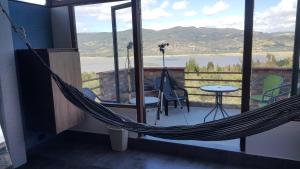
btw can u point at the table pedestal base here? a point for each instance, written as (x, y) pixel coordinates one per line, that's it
(218, 106)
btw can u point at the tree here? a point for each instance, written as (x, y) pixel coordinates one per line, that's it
(210, 66)
(271, 60)
(192, 66)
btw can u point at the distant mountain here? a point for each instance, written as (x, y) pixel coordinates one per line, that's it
(185, 40)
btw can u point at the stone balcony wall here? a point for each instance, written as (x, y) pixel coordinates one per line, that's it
(108, 85)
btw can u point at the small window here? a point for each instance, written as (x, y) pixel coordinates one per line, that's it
(39, 2)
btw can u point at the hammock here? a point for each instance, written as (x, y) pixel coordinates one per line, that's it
(242, 125)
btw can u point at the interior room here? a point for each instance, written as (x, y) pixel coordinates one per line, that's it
(149, 84)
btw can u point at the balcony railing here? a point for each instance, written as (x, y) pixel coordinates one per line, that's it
(103, 83)
(190, 80)
(93, 83)
(192, 77)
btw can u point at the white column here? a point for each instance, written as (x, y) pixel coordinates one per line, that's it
(10, 113)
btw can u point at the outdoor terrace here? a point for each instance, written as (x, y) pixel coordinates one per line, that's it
(103, 83)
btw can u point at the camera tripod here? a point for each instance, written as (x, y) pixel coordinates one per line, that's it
(163, 79)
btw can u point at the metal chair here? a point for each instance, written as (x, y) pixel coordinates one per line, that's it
(271, 89)
(285, 91)
(172, 93)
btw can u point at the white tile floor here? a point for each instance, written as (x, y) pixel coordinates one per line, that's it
(196, 115)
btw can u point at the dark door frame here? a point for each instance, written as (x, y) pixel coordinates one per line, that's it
(247, 61)
(138, 54)
(115, 44)
(138, 59)
(137, 48)
(296, 53)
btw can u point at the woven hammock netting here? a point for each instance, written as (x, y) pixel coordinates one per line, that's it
(241, 125)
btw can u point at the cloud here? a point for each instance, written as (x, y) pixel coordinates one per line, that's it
(280, 17)
(102, 12)
(155, 13)
(180, 5)
(149, 12)
(165, 4)
(216, 8)
(236, 22)
(81, 27)
(190, 13)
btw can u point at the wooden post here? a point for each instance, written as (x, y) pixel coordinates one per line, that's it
(295, 74)
(247, 60)
(116, 55)
(138, 59)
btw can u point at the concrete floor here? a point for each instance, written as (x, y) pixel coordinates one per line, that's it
(87, 154)
(196, 115)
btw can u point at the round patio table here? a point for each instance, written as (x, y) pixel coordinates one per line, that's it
(149, 102)
(218, 90)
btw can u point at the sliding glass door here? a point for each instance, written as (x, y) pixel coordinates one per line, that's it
(123, 52)
(273, 45)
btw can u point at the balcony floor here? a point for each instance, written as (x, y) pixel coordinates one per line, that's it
(196, 115)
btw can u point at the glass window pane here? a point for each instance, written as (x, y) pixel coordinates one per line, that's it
(95, 43)
(205, 48)
(273, 40)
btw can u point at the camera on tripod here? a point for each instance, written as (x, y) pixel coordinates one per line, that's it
(129, 45)
(162, 46)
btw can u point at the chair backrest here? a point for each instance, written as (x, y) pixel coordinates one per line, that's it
(89, 93)
(168, 88)
(272, 81)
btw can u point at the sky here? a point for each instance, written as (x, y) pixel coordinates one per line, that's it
(270, 15)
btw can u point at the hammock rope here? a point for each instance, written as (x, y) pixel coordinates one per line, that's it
(242, 125)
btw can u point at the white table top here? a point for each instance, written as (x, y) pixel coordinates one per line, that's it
(219, 88)
(148, 100)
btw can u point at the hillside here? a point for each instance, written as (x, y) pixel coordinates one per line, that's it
(184, 40)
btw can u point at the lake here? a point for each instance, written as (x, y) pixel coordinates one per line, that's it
(99, 64)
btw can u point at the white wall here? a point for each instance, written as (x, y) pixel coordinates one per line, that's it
(10, 113)
(281, 142)
(92, 125)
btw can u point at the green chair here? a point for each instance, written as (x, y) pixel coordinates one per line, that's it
(270, 90)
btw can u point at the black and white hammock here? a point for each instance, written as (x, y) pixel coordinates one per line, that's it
(242, 125)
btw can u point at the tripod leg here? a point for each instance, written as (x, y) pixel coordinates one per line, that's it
(161, 102)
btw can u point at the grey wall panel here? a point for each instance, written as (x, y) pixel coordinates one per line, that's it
(61, 27)
(10, 109)
(36, 20)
